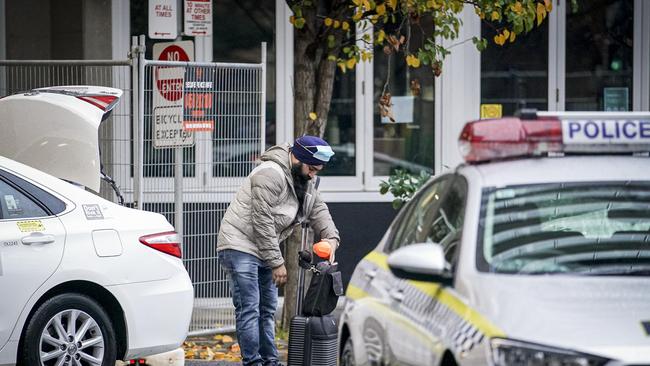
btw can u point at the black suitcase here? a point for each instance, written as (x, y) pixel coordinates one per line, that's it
(312, 339)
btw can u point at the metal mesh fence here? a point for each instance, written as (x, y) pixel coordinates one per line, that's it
(230, 98)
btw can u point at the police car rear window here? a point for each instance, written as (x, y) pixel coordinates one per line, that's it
(595, 228)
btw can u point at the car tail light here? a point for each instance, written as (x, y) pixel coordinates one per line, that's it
(103, 102)
(168, 243)
(546, 134)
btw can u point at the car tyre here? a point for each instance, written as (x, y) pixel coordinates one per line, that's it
(69, 329)
(347, 355)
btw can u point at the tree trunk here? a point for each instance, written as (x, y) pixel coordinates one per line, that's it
(314, 78)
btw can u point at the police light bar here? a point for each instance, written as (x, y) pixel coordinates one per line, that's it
(555, 133)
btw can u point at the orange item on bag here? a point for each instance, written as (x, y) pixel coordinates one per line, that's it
(323, 249)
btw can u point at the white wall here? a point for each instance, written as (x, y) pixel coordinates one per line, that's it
(458, 92)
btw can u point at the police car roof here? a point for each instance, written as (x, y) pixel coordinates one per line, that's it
(553, 133)
(586, 168)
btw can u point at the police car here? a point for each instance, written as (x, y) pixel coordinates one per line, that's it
(83, 281)
(535, 251)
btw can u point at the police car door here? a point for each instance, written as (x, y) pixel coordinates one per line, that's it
(410, 343)
(31, 245)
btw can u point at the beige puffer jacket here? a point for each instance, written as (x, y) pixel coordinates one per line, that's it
(264, 211)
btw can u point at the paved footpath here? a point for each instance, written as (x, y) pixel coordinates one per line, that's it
(223, 349)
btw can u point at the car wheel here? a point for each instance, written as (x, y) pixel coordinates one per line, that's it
(69, 329)
(347, 355)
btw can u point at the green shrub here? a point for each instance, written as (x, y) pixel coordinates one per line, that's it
(402, 185)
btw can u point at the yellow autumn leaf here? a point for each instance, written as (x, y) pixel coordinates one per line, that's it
(499, 39)
(513, 35)
(517, 7)
(341, 66)
(365, 56)
(292, 19)
(366, 4)
(357, 2)
(227, 339)
(312, 116)
(381, 9)
(337, 24)
(431, 4)
(549, 5)
(345, 25)
(392, 4)
(506, 34)
(328, 22)
(381, 36)
(412, 61)
(357, 16)
(350, 63)
(541, 13)
(495, 15)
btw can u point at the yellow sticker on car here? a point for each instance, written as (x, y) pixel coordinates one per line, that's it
(30, 226)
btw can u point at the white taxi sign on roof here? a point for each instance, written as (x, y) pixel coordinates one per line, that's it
(618, 131)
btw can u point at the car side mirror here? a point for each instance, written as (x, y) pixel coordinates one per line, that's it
(421, 262)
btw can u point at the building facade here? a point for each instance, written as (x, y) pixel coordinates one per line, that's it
(594, 59)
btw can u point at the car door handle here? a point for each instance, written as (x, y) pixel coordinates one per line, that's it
(38, 238)
(397, 295)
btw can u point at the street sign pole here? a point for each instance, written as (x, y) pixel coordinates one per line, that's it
(178, 157)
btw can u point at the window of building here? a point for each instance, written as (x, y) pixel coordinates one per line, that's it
(515, 75)
(599, 56)
(407, 140)
(340, 131)
(240, 27)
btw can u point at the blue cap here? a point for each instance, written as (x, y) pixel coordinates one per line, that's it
(312, 150)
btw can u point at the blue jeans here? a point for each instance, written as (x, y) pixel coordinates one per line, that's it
(255, 297)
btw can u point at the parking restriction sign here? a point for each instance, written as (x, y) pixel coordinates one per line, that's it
(168, 96)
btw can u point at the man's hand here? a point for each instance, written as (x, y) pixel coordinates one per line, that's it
(280, 275)
(333, 244)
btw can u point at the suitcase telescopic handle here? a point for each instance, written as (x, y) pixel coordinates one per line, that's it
(301, 273)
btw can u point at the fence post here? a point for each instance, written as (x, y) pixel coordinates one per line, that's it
(263, 102)
(138, 50)
(178, 193)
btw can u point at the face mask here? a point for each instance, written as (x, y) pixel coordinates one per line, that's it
(323, 153)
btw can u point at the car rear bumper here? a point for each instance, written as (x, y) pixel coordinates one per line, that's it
(157, 314)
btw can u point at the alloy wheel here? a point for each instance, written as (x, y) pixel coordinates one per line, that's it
(71, 337)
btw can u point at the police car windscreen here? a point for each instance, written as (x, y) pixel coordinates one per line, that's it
(595, 228)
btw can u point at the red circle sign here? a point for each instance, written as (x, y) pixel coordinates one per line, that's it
(173, 53)
(171, 88)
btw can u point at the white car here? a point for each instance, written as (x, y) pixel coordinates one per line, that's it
(84, 281)
(536, 251)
